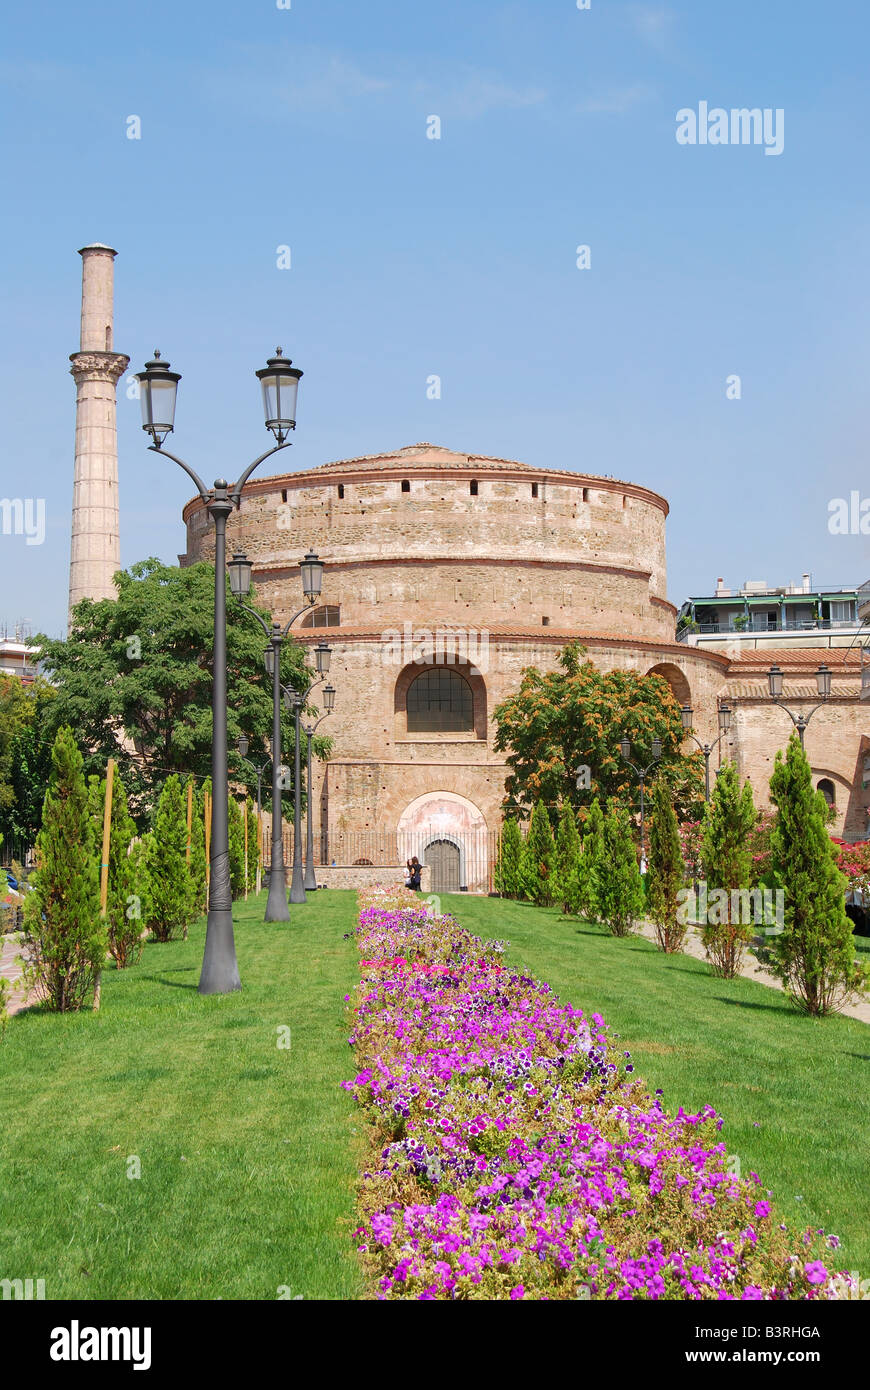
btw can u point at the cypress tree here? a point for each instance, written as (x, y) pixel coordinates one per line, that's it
(665, 870)
(123, 904)
(726, 854)
(567, 854)
(508, 866)
(620, 887)
(236, 826)
(171, 887)
(196, 866)
(586, 883)
(253, 844)
(539, 857)
(66, 937)
(814, 953)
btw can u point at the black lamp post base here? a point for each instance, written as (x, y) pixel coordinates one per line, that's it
(220, 970)
(276, 903)
(297, 886)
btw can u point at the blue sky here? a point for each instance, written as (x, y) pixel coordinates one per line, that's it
(410, 257)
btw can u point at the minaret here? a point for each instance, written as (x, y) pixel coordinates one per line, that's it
(95, 553)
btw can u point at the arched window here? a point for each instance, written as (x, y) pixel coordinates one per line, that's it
(826, 787)
(440, 702)
(327, 616)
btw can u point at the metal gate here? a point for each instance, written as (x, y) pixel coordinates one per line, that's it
(443, 857)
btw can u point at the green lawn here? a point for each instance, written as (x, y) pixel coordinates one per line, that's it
(793, 1091)
(247, 1151)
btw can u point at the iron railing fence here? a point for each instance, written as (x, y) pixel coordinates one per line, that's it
(475, 857)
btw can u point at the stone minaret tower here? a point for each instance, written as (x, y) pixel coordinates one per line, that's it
(95, 553)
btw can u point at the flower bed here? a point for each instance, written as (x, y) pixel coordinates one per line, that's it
(516, 1155)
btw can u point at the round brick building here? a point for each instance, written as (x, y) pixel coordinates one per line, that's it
(445, 574)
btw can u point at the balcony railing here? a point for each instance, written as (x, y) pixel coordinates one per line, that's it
(761, 630)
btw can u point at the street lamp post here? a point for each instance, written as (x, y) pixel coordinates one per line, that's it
(158, 389)
(295, 701)
(310, 731)
(243, 745)
(800, 721)
(311, 569)
(625, 750)
(686, 714)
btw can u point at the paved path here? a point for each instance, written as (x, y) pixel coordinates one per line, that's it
(693, 946)
(10, 967)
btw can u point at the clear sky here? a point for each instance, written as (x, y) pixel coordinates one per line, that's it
(263, 127)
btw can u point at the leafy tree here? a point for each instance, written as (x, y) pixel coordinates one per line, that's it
(65, 936)
(137, 670)
(539, 855)
(814, 954)
(727, 858)
(25, 757)
(567, 855)
(562, 720)
(508, 875)
(172, 904)
(123, 908)
(666, 870)
(13, 718)
(620, 888)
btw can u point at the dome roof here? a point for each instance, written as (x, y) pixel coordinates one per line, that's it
(433, 459)
(422, 455)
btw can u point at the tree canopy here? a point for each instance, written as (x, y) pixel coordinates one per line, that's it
(134, 678)
(562, 720)
(25, 758)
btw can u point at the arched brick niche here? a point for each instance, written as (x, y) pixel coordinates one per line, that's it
(454, 693)
(675, 678)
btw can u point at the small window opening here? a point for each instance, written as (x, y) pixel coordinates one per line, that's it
(472, 487)
(406, 486)
(534, 489)
(340, 491)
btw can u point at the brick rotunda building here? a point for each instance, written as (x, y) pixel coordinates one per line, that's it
(445, 574)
